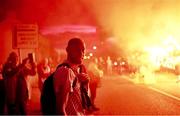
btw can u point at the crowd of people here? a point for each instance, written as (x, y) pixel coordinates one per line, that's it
(70, 84)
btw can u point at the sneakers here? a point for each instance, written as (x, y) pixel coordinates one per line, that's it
(91, 110)
(94, 108)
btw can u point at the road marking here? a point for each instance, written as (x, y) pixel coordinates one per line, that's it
(164, 93)
(157, 90)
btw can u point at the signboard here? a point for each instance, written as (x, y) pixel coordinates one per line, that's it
(25, 36)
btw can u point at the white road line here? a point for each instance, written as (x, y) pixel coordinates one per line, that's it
(159, 91)
(164, 93)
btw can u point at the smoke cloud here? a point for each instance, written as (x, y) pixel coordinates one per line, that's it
(136, 24)
(133, 24)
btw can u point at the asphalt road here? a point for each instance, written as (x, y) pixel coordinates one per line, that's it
(120, 96)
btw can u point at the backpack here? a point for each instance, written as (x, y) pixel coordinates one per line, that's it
(48, 98)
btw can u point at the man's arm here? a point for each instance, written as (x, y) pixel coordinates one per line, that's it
(30, 68)
(62, 99)
(62, 86)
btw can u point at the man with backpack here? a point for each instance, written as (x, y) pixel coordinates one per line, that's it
(67, 80)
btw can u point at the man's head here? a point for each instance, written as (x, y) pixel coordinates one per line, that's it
(75, 50)
(13, 58)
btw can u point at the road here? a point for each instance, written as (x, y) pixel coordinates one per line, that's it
(122, 97)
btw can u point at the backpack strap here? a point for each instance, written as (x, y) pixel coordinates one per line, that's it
(63, 64)
(68, 66)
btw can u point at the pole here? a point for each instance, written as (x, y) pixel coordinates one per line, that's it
(19, 53)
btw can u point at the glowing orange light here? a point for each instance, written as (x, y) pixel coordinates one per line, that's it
(94, 47)
(85, 57)
(115, 63)
(122, 63)
(90, 54)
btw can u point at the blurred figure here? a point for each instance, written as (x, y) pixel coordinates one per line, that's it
(51, 64)
(30, 78)
(9, 72)
(44, 71)
(101, 64)
(27, 67)
(95, 74)
(2, 92)
(109, 65)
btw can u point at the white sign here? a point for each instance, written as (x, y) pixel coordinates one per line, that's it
(26, 36)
